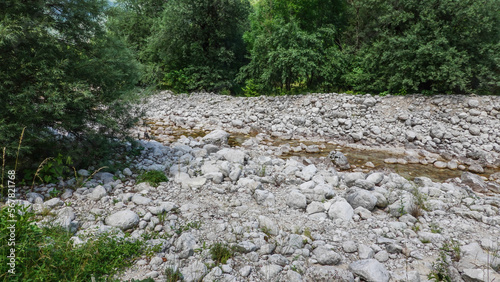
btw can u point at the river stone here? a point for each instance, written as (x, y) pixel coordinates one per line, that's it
(474, 181)
(341, 209)
(370, 270)
(361, 198)
(476, 168)
(326, 256)
(140, 200)
(268, 224)
(123, 219)
(339, 159)
(98, 193)
(194, 271)
(232, 155)
(326, 272)
(270, 271)
(216, 137)
(55, 202)
(296, 200)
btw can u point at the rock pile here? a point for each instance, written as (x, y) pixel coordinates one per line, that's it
(297, 219)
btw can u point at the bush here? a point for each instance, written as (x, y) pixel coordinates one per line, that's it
(221, 253)
(426, 46)
(47, 254)
(153, 177)
(204, 54)
(62, 77)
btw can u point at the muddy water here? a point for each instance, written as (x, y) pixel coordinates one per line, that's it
(357, 158)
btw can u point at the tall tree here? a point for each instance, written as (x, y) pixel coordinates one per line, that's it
(198, 44)
(294, 43)
(59, 70)
(430, 45)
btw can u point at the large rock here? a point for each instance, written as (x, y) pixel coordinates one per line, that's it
(341, 209)
(268, 224)
(327, 273)
(270, 271)
(474, 181)
(232, 155)
(361, 198)
(339, 159)
(216, 137)
(326, 256)
(296, 200)
(194, 271)
(370, 270)
(123, 219)
(264, 197)
(185, 245)
(98, 193)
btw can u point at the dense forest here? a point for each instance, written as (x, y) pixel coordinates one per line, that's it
(66, 65)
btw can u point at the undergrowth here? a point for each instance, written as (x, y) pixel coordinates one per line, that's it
(48, 254)
(153, 177)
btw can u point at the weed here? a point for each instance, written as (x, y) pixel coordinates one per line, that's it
(402, 210)
(173, 275)
(425, 241)
(221, 253)
(44, 254)
(195, 225)
(299, 271)
(418, 204)
(307, 233)
(55, 193)
(452, 248)
(262, 171)
(153, 177)
(440, 269)
(416, 228)
(266, 230)
(435, 228)
(162, 217)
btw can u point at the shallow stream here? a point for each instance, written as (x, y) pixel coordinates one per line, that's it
(357, 158)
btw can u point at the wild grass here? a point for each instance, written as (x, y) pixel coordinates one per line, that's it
(153, 177)
(48, 254)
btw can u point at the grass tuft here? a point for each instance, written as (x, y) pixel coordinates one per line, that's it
(153, 177)
(221, 253)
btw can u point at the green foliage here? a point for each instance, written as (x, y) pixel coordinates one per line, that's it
(173, 275)
(153, 177)
(431, 45)
(221, 253)
(48, 254)
(190, 225)
(54, 169)
(440, 269)
(197, 44)
(61, 77)
(293, 44)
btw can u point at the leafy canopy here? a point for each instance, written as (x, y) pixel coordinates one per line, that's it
(61, 71)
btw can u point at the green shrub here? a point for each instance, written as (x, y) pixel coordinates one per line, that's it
(47, 254)
(173, 275)
(153, 177)
(221, 253)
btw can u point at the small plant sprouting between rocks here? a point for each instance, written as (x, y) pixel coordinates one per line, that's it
(440, 269)
(153, 177)
(221, 253)
(173, 275)
(418, 204)
(435, 228)
(452, 248)
(190, 225)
